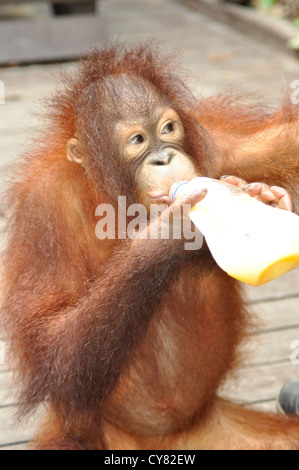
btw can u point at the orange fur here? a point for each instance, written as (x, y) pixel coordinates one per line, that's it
(126, 341)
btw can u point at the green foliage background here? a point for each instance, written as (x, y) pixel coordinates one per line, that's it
(283, 8)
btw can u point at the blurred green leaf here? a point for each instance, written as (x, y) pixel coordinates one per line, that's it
(294, 43)
(296, 23)
(268, 3)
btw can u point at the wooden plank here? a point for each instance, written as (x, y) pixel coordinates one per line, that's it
(11, 431)
(258, 384)
(32, 82)
(3, 356)
(11, 155)
(5, 2)
(49, 39)
(25, 123)
(277, 314)
(280, 287)
(269, 348)
(3, 208)
(267, 406)
(21, 446)
(14, 435)
(6, 394)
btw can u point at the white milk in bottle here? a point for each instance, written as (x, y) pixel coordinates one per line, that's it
(251, 241)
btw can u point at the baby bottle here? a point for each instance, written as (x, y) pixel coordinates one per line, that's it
(249, 240)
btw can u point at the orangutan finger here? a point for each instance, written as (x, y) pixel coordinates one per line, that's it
(262, 191)
(234, 180)
(285, 201)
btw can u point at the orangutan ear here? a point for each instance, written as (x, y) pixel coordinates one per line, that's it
(74, 153)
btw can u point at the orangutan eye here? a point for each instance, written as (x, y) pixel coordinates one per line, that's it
(168, 129)
(137, 139)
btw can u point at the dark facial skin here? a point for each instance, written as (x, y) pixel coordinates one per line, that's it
(154, 148)
(149, 136)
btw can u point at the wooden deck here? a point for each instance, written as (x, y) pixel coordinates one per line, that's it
(225, 57)
(30, 32)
